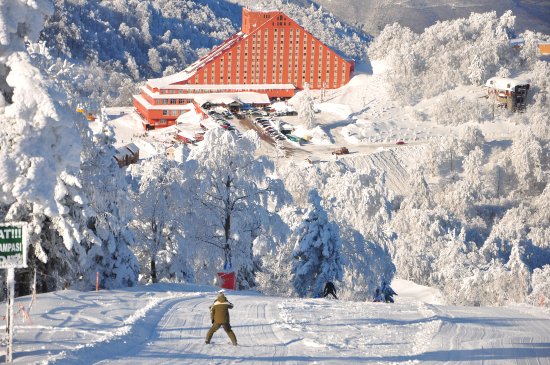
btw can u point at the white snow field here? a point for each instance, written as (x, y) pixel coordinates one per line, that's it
(167, 323)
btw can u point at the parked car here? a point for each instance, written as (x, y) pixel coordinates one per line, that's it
(294, 138)
(400, 142)
(341, 151)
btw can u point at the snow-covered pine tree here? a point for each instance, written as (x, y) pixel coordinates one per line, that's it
(476, 71)
(306, 108)
(106, 216)
(39, 145)
(540, 282)
(317, 250)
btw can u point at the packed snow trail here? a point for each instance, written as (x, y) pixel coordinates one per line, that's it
(167, 324)
(487, 335)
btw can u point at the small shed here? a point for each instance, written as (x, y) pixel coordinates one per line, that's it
(510, 93)
(517, 43)
(127, 155)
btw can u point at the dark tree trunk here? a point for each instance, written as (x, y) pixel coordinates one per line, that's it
(153, 271)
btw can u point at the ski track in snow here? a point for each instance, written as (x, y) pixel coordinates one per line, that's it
(168, 327)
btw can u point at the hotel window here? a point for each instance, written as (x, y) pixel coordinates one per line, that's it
(164, 112)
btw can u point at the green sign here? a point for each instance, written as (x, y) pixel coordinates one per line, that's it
(13, 245)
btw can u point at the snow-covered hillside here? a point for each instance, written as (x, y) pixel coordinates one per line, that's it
(373, 15)
(167, 324)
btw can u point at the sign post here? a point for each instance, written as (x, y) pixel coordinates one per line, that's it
(13, 254)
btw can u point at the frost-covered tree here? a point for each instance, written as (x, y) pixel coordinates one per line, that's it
(445, 55)
(526, 158)
(476, 71)
(306, 108)
(519, 284)
(317, 250)
(231, 189)
(472, 137)
(154, 60)
(39, 144)
(540, 282)
(158, 198)
(365, 265)
(371, 211)
(472, 167)
(98, 209)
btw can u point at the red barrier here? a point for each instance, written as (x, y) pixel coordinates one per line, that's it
(228, 280)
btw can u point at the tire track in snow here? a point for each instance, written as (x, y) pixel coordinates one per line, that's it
(487, 336)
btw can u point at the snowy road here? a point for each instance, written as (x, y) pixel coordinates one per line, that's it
(166, 324)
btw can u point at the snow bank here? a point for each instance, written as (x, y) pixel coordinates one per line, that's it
(424, 294)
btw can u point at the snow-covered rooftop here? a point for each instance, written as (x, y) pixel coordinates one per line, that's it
(209, 123)
(150, 106)
(228, 98)
(214, 87)
(127, 150)
(503, 83)
(192, 69)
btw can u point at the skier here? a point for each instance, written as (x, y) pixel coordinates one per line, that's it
(219, 313)
(329, 289)
(378, 296)
(388, 292)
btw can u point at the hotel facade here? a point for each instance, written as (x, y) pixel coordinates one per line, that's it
(271, 55)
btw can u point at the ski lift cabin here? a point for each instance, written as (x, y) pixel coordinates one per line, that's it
(510, 93)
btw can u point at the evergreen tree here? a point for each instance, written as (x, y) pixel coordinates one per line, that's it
(317, 250)
(39, 147)
(306, 109)
(107, 236)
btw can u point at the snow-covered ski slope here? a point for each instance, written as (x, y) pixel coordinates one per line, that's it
(167, 323)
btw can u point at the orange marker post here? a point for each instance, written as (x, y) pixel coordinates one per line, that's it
(96, 281)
